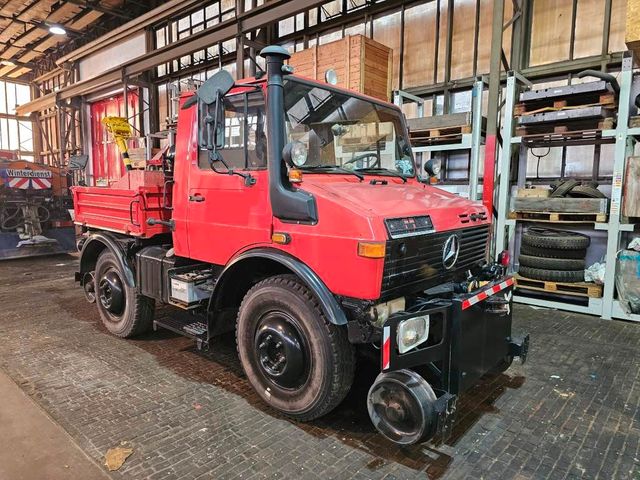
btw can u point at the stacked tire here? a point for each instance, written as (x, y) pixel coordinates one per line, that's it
(553, 255)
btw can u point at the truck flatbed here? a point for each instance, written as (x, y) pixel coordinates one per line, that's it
(125, 206)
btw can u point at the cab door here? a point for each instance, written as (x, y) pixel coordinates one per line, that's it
(225, 212)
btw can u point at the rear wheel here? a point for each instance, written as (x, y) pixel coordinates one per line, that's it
(296, 360)
(124, 312)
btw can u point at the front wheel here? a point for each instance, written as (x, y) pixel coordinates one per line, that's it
(124, 312)
(296, 360)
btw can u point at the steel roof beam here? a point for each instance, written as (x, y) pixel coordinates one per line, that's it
(99, 8)
(248, 21)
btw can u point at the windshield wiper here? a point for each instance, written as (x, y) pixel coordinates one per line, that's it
(329, 168)
(382, 171)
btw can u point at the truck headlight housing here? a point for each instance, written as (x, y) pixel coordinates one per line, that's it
(412, 332)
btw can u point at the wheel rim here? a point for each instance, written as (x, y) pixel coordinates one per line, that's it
(400, 405)
(281, 355)
(111, 292)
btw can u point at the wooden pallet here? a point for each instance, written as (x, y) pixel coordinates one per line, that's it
(586, 128)
(433, 135)
(567, 103)
(559, 217)
(580, 289)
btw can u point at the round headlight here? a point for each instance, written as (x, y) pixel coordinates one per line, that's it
(298, 154)
(330, 76)
(433, 167)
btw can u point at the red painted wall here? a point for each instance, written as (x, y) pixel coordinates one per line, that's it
(106, 161)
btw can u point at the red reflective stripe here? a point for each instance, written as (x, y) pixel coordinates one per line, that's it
(486, 293)
(42, 183)
(386, 348)
(20, 183)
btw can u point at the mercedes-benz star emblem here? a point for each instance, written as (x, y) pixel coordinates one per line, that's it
(450, 252)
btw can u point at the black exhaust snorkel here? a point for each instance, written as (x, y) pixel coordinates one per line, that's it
(288, 204)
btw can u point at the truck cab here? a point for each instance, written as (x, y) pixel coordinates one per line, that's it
(292, 212)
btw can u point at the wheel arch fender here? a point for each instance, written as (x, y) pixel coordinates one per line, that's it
(94, 245)
(287, 264)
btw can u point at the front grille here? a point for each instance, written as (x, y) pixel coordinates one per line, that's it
(415, 263)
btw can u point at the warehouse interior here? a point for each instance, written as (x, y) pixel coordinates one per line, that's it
(520, 117)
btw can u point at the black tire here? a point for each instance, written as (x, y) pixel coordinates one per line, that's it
(564, 188)
(552, 252)
(558, 239)
(568, 276)
(586, 191)
(133, 314)
(321, 372)
(552, 263)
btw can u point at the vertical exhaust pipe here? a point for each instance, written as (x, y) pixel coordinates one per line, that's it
(287, 203)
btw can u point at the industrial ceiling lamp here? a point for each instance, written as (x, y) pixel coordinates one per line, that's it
(57, 29)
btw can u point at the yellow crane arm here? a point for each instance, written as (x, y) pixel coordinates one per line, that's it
(120, 129)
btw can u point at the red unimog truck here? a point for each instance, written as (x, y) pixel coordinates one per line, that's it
(292, 213)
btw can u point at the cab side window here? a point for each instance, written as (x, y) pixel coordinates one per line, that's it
(245, 141)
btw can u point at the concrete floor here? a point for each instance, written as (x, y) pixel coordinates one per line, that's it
(32, 446)
(571, 412)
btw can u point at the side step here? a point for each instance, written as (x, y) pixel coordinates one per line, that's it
(187, 325)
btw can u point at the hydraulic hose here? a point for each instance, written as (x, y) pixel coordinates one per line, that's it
(607, 77)
(6, 223)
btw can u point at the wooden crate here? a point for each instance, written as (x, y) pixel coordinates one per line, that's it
(579, 289)
(138, 157)
(361, 64)
(632, 32)
(631, 188)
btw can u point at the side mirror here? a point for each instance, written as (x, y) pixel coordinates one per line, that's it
(217, 86)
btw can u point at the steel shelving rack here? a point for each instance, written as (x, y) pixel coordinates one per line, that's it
(624, 139)
(468, 141)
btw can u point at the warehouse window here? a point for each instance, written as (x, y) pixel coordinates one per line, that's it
(182, 27)
(16, 133)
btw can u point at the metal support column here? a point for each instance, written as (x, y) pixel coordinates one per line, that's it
(491, 148)
(623, 149)
(476, 136)
(503, 231)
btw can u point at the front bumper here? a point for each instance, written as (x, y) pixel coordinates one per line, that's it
(471, 334)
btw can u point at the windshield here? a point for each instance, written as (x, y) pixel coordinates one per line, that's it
(346, 132)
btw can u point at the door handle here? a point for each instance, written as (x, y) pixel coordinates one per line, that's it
(196, 198)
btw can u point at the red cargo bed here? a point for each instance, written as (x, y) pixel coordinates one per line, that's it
(126, 205)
